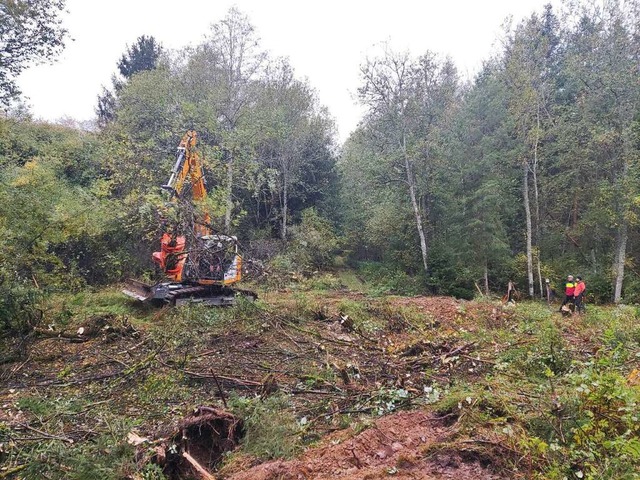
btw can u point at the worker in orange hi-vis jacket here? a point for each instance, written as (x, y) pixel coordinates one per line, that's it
(578, 295)
(569, 289)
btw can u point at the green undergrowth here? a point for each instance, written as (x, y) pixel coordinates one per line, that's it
(72, 309)
(79, 430)
(271, 427)
(100, 455)
(535, 394)
(383, 279)
(372, 279)
(562, 400)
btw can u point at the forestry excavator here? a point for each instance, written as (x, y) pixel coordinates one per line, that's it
(200, 265)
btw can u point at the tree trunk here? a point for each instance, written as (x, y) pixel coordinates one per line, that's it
(534, 172)
(416, 212)
(622, 234)
(548, 292)
(539, 273)
(411, 181)
(229, 208)
(618, 266)
(486, 278)
(285, 194)
(527, 209)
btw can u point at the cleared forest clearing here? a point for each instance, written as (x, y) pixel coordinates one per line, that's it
(225, 164)
(319, 377)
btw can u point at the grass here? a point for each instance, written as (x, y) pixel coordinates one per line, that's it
(559, 403)
(272, 430)
(541, 395)
(68, 310)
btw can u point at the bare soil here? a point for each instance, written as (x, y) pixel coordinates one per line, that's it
(395, 446)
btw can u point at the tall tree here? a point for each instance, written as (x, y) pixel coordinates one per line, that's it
(295, 133)
(529, 67)
(266, 142)
(233, 50)
(30, 31)
(602, 65)
(142, 56)
(476, 183)
(406, 101)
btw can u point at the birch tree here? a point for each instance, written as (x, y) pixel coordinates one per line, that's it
(234, 52)
(405, 99)
(528, 73)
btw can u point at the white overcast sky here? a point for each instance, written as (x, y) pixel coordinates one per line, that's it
(326, 41)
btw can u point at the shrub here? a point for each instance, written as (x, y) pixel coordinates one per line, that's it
(314, 241)
(18, 308)
(389, 279)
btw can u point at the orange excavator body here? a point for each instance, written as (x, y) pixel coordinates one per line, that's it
(171, 257)
(199, 263)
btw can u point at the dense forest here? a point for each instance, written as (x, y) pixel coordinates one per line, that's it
(451, 186)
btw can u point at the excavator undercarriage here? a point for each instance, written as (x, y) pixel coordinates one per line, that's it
(177, 294)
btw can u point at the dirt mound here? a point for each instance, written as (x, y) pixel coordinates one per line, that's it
(449, 312)
(395, 445)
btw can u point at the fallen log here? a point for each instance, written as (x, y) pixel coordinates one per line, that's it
(74, 337)
(204, 474)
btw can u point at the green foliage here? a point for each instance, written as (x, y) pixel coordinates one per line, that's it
(533, 109)
(29, 32)
(556, 410)
(385, 401)
(548, 354)
(314, 242)
(461, 152)
(448, 278)
(282, 271)
(56, 222)
(594, 425)
(605, 439)
(161, 388)
(362, 317)
(326, 281)
(387, 279)
(558, 104)
(142, 55)
(271, 428)
(151, 471)
(108, 456)
(18, 307)
(35, 405)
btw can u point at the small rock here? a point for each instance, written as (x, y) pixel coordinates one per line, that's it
(396, 446)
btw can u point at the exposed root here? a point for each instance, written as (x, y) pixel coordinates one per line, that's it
(196, 446)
